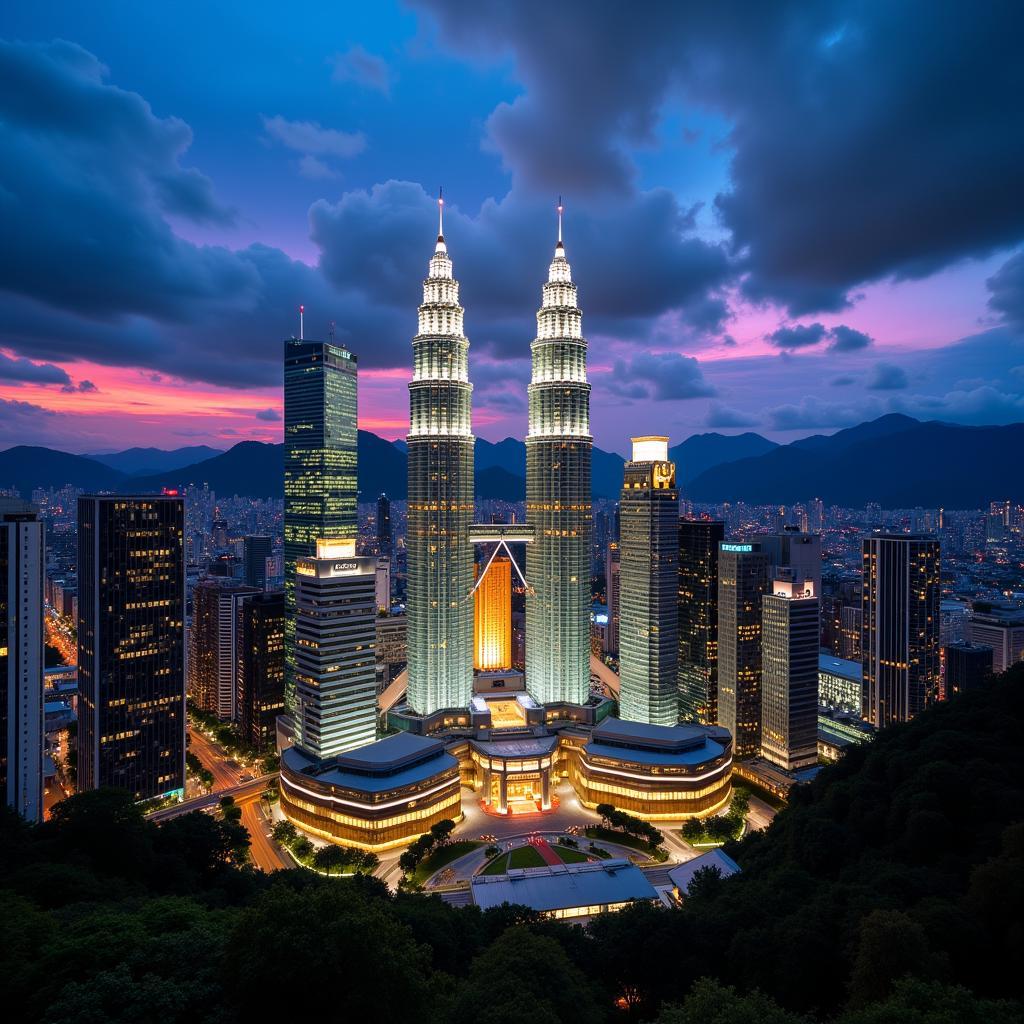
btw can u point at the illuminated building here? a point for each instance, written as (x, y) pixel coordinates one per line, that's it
(385, 537)
(649, 570)
(131, 644)
(1002, 629)
(840, 684)
(492, 617)
(335, 662)
(439, 608)
(698, 619)
(968, 667)
(320, 450)
(900, 592)
(22, 561)
(789, 674)
(211, 645)
(379, 796)
(558, 502)
(742, 580)
(613, 587)
(392, 652)
(654, 772)
(795, 553)
(259, 665)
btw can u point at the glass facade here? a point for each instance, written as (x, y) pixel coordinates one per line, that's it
(259, 666)
(558, 502)
(131, 644)
(649, 588)
(439, 608)
(698, 619)
(320, 449)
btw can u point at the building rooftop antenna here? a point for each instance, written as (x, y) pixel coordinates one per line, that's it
(302, 310)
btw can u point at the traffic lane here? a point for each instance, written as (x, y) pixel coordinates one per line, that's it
(265, 854)
(214, 759)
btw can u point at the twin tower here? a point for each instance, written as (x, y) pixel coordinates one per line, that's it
(440, 497)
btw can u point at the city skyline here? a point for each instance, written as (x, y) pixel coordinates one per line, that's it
(304, 185)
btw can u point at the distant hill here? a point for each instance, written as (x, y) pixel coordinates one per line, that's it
(146, 461)
(701, 452)
(26, 468)
(895, 460)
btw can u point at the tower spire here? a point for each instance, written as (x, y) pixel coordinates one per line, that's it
(440, 221)
(561, 210)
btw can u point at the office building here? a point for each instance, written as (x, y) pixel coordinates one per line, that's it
(320, 450)
(392, 652)
(1002, 629)
(257, 551)
(259, 666)
(131, 644)
(900, 593)
(649, 569)
(440, 503)
(742, 581)
(698, 619)
(789, 676)
(613, 595)
(211, 651)
(492, 617)
(335, 663)
(968, 667)
(382, 588)
(22, 563)
(840, 684)
(558, 504)
(385, 536)
(794, 553)
(851, 626)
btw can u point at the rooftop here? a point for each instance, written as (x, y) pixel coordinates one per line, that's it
(683, 874)
(564, 886)
(657, 744)
(840, 667)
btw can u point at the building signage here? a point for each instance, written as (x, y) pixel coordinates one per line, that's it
(738, 547)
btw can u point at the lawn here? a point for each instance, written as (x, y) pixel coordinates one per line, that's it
(569, 855)
(520, 857)
(445, 855)
(610, 835)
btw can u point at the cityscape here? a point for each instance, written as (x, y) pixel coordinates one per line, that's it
(485, 668)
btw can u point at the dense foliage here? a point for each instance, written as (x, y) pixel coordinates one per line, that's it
(889, 891)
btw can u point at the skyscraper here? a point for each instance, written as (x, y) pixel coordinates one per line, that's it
(742, 580)
(968, 667)
(439, 605)
(21, 658)
(558, 502)
(789, 678)
(492, 617)
(385, 538)
(335, 637)
(257, 550)
(259, 665)
(698, 619)
(131, 644)
(211, 650)
(649, 559)
(320, 450)
(900, 593)
(613, 595)
(796, 553)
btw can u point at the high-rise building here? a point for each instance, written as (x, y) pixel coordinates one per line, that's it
(851, 626)
(742, 580)
(698, 619)
(320, 451)
(968, 667)
(439, 605)
(1002, 629)
(211, 644)
(558, 503)
(21, 657)
(382, 591)
(613, 594)
(794, 552)
(789, 677)
(900, 592)
(131, 644)
(492, 617)
(335, 660)
(257, 550)
(219, 531)
(649, 560)
(259, 665)
(385, 538)
(392, 652)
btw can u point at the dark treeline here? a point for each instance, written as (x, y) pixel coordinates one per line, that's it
(888, 892)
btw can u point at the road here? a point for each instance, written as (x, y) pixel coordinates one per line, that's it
(760, 814)
(215, 759)
(57, 635)
(264, 851)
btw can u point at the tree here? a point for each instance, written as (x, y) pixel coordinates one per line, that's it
(713, 1003)
(331, 859)
(285, 832)
(693, 830)
(302, 848)
(408, 861)
(740, 804)
(442, 831)
(607, 811)
(706, 883)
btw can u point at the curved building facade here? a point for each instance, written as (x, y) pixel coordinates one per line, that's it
(558, 502)
(440, 503)
(654, 772)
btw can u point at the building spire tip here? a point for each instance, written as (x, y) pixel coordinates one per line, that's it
(561, 210)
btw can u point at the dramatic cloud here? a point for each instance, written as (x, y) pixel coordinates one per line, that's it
(308, 137)
(661, 376)
(18, 370)
(869, 140)
(888, 377)
(840, 338)
(1006, 291)
(846, 339)
(366, 69)
(270, 415)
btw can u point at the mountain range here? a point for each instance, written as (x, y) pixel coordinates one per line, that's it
(895, 460)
